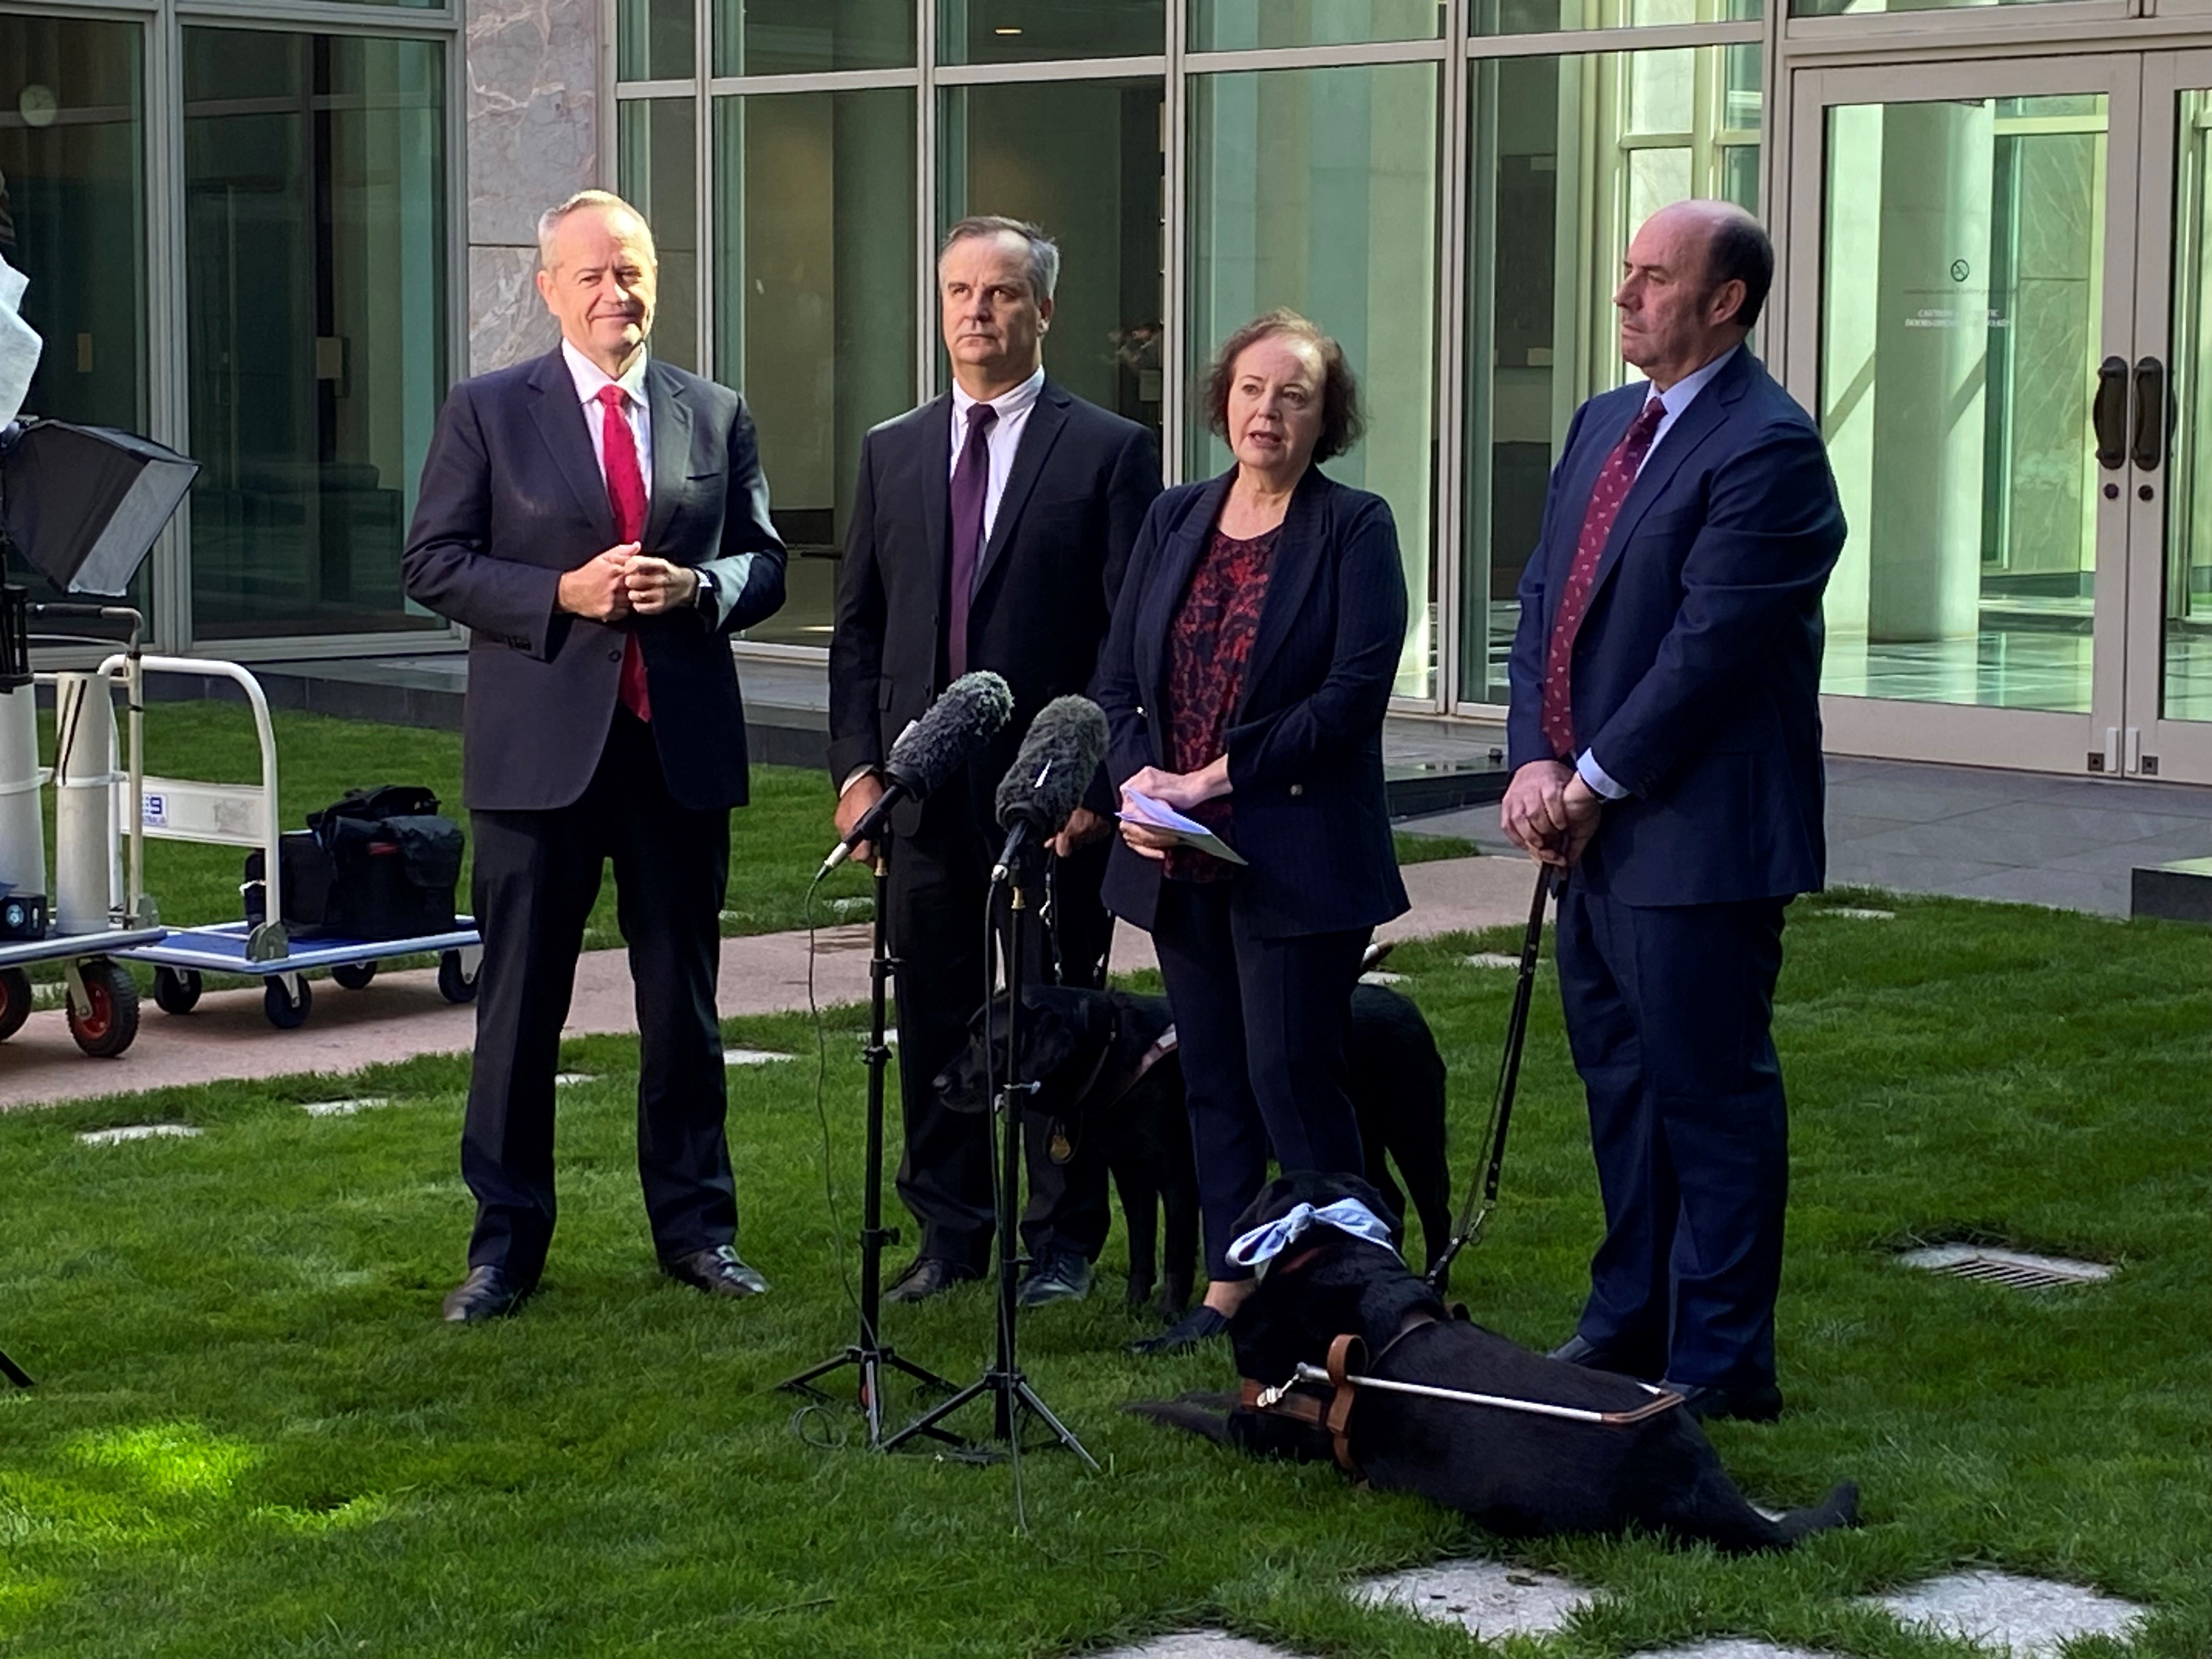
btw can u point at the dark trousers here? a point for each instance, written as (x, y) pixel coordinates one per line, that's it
(1261, 1024)
(1670, 1013)
(536, 877)
(940, 879)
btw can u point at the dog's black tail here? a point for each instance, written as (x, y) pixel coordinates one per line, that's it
(1840, 1508)
(1200, 1413)
(1710, 1507)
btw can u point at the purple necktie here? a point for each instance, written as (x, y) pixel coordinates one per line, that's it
(971, 482)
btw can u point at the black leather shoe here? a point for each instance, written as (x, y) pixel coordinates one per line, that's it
(718, 1272)
(926, 1276)
(1200, 1324)
(1759, 1402)
(1577, 1351)
(486, 1293)
(1060, 1277)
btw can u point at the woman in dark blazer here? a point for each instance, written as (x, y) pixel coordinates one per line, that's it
(1244, 682)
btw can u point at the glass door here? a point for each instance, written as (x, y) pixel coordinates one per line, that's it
(2167, 728)
(1968, 231)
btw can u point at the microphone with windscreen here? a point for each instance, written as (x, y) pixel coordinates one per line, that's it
(931, 749)
(1051, 776)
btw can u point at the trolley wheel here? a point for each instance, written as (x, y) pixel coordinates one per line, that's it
(355, 975)
(454, 985)
(176, 990)
(107, 1030)
(285, 1014)
(14, 1001)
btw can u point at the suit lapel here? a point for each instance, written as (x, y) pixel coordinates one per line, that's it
(1039, 434)
(1297, 556)
(671, 411)
(1177, 560)
(559, 414)
(1691, 428)
(934, 469)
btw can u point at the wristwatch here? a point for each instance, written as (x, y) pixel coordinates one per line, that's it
(703, 591)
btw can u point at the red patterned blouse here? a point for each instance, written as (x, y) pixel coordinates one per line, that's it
(1208, 649)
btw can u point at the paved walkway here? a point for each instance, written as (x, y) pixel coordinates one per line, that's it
(401, 1015)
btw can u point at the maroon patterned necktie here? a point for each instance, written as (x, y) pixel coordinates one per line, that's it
(1613, 481)
(971, 483)
(626, 495)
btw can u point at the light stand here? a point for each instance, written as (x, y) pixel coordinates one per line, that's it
(1003, 1381)
(13, 1372)
(870, 1354)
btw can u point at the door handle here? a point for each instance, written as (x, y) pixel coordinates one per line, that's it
(2109, 414)
(2150, 415)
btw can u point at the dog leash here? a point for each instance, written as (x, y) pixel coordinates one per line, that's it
(1474, 1211)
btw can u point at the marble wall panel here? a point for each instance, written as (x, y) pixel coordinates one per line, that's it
(508, 321)
(533, 111)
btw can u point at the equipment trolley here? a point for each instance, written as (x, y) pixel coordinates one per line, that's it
(245, 816)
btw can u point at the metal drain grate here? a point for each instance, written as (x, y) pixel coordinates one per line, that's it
(2015, 1268)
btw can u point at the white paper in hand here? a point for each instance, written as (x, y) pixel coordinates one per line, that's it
(1186, 832)
(20, 344)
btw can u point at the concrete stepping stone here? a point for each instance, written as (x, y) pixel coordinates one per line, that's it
(563, 1079)
(1852, 912)
(1492, 959)
(2031, 1617)
(343, 1108)
(1381, 976)
(1198, 1645)
(116, 1136)
(1485, 1598)
(1736, 1647)
(752, 1057)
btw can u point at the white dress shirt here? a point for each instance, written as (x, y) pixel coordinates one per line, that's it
(1004, 438)
(1675, 399)
(589, 377)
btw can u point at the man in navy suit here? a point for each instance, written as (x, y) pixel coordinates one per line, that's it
(1665, 734)
(599, 521)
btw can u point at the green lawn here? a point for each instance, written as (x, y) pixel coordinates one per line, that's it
(253, 1437)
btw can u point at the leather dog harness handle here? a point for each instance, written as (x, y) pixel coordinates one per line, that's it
(1336, 1414)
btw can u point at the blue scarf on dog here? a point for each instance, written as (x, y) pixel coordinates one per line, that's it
(1258, 1247)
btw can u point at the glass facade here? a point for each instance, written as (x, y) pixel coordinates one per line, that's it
(315, 253)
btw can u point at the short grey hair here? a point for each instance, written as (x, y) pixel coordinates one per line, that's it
(550, 221)
(1043, 252)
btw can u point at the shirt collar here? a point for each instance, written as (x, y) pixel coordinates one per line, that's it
(1006, 405)
(1684, 393)
(590, 377)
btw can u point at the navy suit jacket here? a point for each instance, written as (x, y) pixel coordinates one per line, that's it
(1043, 590)
(1695, 672)
(1305, 740)
(511, 497)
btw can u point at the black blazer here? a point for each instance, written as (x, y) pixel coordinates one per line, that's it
(1697, 667)
(1305, 742)
(511, 497)
(1045, 584)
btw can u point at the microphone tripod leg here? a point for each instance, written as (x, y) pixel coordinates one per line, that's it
(871, 1355)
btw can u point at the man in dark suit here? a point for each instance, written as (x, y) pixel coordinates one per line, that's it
(599, 521)
(990, 529)
(1666, 736)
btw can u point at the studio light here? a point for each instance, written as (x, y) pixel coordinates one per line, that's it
(84, 504)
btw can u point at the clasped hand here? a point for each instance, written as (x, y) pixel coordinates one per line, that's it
(1550, 813)
(623, 580)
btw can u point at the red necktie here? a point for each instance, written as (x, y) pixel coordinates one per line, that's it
(1613, 481)
(626, 495)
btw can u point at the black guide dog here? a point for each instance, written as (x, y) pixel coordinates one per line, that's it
(1107, 1071)
(1510, 1471)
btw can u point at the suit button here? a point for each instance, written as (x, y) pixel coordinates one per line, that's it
(614, 656)
(1297, 789)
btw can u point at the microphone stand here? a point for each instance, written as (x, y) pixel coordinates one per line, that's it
(1009, 1389)
(13, 1372)
(869, 1355)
